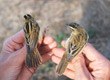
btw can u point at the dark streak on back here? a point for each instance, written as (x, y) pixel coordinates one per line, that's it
(27, 27)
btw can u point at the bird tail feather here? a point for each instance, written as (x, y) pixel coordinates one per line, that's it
(33, 59)
(62, 65)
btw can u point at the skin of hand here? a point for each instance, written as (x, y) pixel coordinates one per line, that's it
(12, 57)
(89, 65)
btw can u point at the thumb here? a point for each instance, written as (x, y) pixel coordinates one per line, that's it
(81, 71)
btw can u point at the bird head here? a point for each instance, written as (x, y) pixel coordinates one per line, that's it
(27, 17)
(74, 27)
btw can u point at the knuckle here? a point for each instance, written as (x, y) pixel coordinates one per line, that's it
(6, 42)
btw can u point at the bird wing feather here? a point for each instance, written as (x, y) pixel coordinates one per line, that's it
(31, 36)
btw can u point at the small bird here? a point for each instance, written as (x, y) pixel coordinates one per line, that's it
(74, 45)
(33, 36)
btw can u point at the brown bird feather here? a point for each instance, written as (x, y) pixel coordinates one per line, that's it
(32, 36)
(74, 46)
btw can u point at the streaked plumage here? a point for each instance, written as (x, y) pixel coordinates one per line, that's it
(32, 37)
(74, 45)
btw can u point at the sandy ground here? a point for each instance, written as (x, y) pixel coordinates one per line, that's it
(93, 15)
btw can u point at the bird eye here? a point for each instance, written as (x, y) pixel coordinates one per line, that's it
(25, 16)
(74, 26)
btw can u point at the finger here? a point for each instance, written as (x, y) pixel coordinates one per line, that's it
(47, 57)
(47, 48)
(91, 53)
(81, 69)
(63, 43)
(47, 40)
(18, 56)
(58, 52)
(15, 42)
(18, 37)
(11, 46)
(26, 71)
(56, 60)
(69, 73)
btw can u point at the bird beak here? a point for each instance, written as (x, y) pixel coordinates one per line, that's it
(72, 28)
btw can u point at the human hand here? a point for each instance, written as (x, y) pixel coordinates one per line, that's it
(12, 57)
(90, 66)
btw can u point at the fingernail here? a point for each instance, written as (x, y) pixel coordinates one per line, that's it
(54, 44)
(50, 54)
